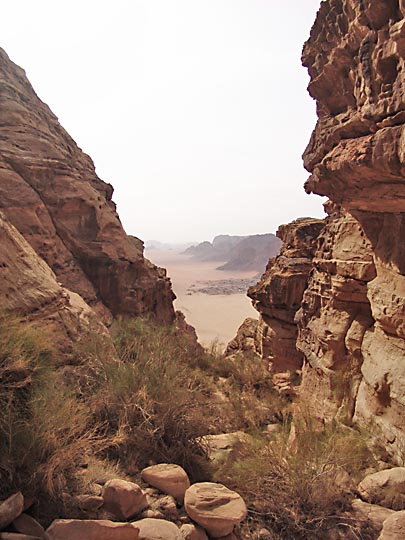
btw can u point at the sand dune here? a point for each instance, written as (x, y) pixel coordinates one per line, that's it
(215, 317)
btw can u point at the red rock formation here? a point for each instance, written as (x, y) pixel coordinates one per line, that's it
(352, 322)
(50, 192)
(29, 288)
(278, 296)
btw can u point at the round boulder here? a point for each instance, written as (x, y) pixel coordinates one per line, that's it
(215, 507)
(123, 499)
(169, 478)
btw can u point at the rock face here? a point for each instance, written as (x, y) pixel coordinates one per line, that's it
(50, 192)
(29, 287)
(352, 318)
(344, 285)
(278, 295)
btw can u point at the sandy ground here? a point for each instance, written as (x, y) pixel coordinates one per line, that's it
(215, 317)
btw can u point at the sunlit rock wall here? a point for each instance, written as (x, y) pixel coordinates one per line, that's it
(352, 320)
(50, 192)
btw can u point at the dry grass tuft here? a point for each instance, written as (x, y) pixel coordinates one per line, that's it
(45, 432)
(298, 494)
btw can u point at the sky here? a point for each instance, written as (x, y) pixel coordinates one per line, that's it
(196, 111)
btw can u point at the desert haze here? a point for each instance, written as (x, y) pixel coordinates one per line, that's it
(216, 317)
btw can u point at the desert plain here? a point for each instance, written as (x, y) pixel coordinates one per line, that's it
(215, 317)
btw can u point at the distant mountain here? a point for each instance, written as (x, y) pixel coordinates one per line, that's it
(219, 250)
(238, 252)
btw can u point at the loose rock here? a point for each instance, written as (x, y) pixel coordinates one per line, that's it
(394, 527)
(386, 488)
(157, 529)
(191, 532)
(215, 507)
(77, 529)
(373, 513)
(169, 478)
(89, 503)
(18, 536)
(26, 524)
(10, 509)
(123, 499)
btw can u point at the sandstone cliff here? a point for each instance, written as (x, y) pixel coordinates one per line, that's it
(350, 318)
(50, 192)
(29, 288)
(278, 295)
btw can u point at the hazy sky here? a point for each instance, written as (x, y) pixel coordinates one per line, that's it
(195, 110)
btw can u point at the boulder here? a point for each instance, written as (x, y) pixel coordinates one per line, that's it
(169, 478)
(192, 532)
(89, 503)
(123, 499)
(77, 529)
(386, 488)
(394, 527)
(167, 506)
(157, 529)
(149, 513)
(10, 509)
(26, 524)
(374, 514)
(215, 507)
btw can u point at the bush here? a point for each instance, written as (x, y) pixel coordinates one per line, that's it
(152, 401)
(44, 432)
(297, 494)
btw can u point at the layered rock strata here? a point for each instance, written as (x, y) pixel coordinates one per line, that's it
(29, 288)
(353, 315)
(50, 192)
(278, 295)
(346, 292)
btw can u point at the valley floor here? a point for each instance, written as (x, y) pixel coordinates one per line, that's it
(216, 317)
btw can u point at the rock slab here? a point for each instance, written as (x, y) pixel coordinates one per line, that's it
(77, 529)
